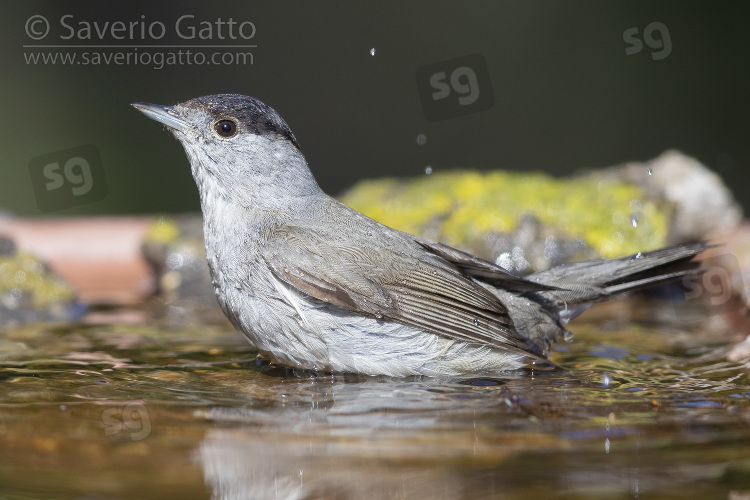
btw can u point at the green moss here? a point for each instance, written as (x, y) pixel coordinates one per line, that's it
(465, 205)
(24, 272)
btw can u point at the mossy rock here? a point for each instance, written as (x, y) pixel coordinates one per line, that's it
(463, 208)
(30, 291)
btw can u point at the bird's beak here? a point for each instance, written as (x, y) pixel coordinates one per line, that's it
(162, 114)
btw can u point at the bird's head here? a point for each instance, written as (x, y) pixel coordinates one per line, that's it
(238, 146)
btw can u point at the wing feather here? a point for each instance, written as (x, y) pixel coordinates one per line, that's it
(483, 269)
(417, 288)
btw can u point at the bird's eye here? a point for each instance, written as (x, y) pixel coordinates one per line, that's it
(225, 128)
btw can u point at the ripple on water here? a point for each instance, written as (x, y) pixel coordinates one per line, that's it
(194, 407)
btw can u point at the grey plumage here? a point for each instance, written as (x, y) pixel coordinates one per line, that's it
(315, 284)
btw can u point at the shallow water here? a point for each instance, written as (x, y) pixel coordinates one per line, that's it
(644, 408)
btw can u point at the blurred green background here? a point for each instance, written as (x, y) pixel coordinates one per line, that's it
(566, 95)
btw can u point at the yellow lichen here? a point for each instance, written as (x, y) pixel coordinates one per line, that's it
(462, 206)
(26, 274)
(162, 230)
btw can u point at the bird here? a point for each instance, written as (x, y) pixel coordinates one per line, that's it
(315, 285)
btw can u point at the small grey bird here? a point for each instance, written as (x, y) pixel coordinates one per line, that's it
(315, 284)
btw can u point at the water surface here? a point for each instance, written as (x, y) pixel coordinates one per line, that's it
(644, 408)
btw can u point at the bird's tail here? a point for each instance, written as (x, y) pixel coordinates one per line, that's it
(582, 284)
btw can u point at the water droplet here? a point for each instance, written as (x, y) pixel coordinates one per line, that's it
(427, 170)
(649, 171)
(568, 336)
(379, 315)
(606, 445)
(634, 220)
(372, 51)
(421, 139)
(476, 322)
(606, 380)
(637, 256)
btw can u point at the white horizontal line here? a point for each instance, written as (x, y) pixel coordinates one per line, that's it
(139, 46)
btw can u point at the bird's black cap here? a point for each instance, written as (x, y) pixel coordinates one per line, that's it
(259, 118)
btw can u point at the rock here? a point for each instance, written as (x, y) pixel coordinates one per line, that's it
(533, 245)
(524, 221)
(30, 291)
(704, 207)
(530, 221)
(175, 250)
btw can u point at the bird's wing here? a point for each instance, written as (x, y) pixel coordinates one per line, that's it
(483, 270)
(417, 288)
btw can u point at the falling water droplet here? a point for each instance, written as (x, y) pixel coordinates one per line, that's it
(476, 322)
(606, 380)
(649, 171)
(427, 170)
(634, 220)
(372, 51)
(421, 139)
